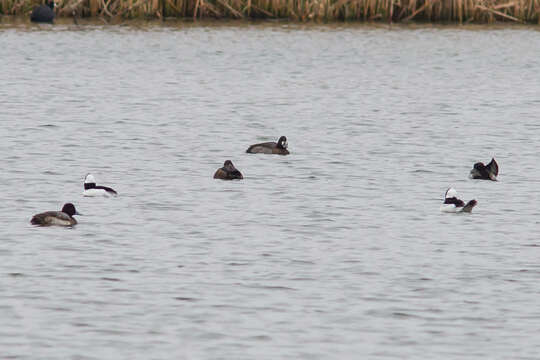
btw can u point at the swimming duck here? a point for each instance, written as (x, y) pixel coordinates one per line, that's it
(44, 13)
(228, 172)
(485, 172)
(62, 218)
(271, 147)
(454, 205)
(90, 188)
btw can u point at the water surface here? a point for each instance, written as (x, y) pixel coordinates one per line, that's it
(336, 251)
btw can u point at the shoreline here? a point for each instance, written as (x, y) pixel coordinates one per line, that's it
(296, 11)
(23, 22)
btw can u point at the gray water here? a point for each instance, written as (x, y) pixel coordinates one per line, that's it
(337, 251)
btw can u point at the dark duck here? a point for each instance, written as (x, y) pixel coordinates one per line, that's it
(228, 172)
(485, 172)
(279, 148)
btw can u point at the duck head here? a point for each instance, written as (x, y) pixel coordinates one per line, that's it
(450, 193)
(69, 209)
(282, 142)
(228, 165)
(89, 182)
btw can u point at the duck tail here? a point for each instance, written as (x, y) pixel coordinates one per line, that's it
(468, 208)
(493, 169)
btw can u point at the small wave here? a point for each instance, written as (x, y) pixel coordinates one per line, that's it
(422, 171)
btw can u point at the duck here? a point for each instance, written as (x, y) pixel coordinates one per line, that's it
(90, 188)
(279, 148)
(485, 172)
(61, 218)
(44, 13)
(228, 172)
(452, 204)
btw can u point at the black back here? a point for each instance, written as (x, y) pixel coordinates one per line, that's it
(94, 186)
(107, 189)
(455, 201)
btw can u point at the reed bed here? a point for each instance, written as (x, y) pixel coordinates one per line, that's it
(460, 11)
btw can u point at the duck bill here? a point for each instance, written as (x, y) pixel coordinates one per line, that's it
(78, 213)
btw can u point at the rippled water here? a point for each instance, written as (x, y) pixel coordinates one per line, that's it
(336, 251)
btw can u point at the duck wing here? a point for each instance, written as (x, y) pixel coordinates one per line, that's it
(226, 174)
(235, 174)
(468, 208)
(262, 147)
(493, 168)
(50, 218)
(220, 174)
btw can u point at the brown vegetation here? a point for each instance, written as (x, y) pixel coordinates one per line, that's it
(461, 11)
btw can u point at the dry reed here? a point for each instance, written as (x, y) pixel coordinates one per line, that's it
(462, 11)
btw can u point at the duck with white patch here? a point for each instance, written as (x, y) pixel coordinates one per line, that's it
(91, 189)
(279, 148)
(485, 172)
(60, 218)
(454, 205)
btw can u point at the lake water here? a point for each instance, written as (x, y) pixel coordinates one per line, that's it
(337, 251)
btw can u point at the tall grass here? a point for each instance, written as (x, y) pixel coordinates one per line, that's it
(461, 11)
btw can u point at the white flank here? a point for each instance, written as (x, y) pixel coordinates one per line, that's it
(56, 221)
(96, 192)
(449, 208)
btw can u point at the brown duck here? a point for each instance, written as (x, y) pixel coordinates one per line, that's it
(228, 172)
